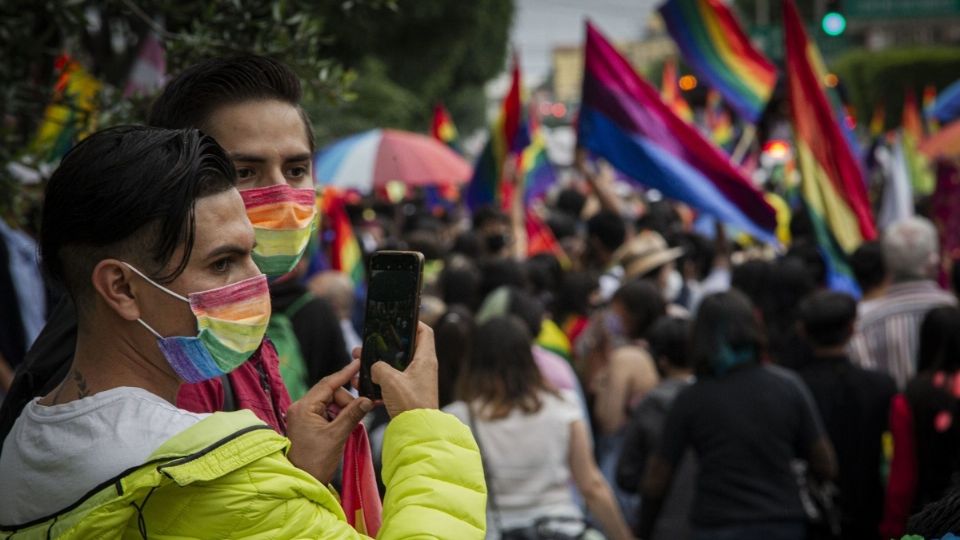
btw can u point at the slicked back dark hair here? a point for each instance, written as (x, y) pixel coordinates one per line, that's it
(197, 92)
(827, 318)
(128, 192)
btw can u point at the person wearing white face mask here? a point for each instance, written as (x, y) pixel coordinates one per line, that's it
(647, 256)
(151, 239)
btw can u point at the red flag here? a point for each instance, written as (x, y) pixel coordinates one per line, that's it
(360, 498)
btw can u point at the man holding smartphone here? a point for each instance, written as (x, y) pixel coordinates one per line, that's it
(167, 292)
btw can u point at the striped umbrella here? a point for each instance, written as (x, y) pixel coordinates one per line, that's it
(368, 161)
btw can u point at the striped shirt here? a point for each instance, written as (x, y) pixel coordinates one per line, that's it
(887, 333)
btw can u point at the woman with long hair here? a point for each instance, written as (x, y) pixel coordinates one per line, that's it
(746, 421)
(532, 437)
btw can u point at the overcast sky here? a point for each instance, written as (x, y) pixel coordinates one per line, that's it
(540, 25)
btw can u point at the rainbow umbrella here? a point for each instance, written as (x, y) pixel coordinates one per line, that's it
(368, 161)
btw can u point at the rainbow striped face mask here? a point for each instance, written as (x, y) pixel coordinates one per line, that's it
(232, 321)
(284, 219)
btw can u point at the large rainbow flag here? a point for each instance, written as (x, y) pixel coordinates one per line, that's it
(832, 183)
(485, 185)
(623, 119)
(719, 51)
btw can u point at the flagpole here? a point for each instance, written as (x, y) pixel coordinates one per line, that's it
(746, 139)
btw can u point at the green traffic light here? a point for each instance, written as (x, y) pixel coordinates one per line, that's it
(833, 23)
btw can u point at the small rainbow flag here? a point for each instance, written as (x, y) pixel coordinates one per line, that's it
(344, 251)
(540, 239)
(832, 183)
(623, 119)
(536, 171)
(485, 185)
(718, 50)
(929, 99)
(878, 120)
(70, 116)
(921, 176)
(670, 92)
(442, 128)
(717, 119)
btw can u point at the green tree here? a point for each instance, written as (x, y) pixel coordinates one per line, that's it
(883, 77)
(366, 63)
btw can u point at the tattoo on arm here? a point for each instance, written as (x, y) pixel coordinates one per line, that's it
(81, 383)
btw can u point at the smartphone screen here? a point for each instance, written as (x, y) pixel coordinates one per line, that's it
(393, 305)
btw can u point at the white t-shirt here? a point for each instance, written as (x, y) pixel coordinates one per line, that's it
(54, 455)
(527, 459)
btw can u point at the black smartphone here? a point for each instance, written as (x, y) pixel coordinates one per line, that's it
(393, 307)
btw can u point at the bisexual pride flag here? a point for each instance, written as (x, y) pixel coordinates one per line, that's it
(623, 119)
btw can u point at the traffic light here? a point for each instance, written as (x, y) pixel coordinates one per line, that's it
(834, 22)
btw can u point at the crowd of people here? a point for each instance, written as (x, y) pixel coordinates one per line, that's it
(641, 381)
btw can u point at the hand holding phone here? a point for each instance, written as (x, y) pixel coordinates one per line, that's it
(416, 387)
(393, 305)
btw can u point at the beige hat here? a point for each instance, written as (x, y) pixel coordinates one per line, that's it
(643, 253)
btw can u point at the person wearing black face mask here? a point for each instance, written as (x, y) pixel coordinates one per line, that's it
(493, 227)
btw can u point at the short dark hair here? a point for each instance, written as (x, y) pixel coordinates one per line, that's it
(726, 323)
(827, 318)
(668, 338)
(607, 227)
(571, 202)
(128, 192)
(489, 214)
(644, 302)
(939, 340)
(192, 96)
(868, 266)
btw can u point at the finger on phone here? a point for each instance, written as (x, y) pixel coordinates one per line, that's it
(342, 397)
(382, 371)
(355, 353)
(425, 351)
(343, 376)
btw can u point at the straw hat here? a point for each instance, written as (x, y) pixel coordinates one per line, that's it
(645, 252)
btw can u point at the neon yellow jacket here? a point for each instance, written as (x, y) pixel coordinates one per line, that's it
(228, 477)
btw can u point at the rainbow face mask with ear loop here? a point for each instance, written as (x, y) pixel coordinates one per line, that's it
(231, 320)
(284, 219)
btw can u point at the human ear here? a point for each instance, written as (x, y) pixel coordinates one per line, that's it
(112, 281)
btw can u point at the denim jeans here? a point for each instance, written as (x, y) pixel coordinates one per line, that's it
(769, 530)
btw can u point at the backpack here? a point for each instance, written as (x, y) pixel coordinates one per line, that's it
(293, 368)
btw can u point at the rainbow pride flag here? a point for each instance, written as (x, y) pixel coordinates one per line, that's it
(71, 115)
(921, 175)
(442, 128)
(485, 188)
(878, 120)
(670, 92)
(536, 171)
(717, 119)
(623, 119)
(929, 99)
(832, 183)
(343, 249)
(717, 49)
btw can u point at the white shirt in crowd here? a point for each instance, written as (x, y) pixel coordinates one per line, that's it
(55, 455)
(526, 457)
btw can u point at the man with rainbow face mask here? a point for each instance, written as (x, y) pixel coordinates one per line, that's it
(146, 231)
(250, 105)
